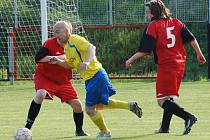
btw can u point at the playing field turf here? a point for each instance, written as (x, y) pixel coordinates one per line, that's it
(55, 120)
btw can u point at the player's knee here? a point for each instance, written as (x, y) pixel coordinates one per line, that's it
(160, 102)
(76, 106)
(90, 111)
(40, 95)
(78, 109)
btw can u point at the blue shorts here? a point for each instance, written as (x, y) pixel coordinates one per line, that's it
(98, 89)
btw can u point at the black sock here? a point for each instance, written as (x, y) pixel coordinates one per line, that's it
(78, 119)
(175, 109)
(32, 114)
(166, 119)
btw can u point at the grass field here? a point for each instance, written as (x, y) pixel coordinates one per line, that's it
(55, 119)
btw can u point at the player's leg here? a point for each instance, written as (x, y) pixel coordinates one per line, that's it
(68, 94)
(117, 104)
(191, 119)
(114, 104)
(98, 120)
(168, 83)
(172, 107)
(78, 116)
(98, 92)
(166, 87)
(166, 119)
(44, 89)
(106, 90)
(35, 107)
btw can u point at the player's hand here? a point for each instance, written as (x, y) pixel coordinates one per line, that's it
(128, 63)
(84, 65)
(201, 59)
(53, 60)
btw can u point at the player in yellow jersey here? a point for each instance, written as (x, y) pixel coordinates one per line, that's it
(80, 55)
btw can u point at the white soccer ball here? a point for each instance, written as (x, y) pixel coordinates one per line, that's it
(23, 134)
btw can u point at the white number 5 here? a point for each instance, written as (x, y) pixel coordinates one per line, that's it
(170, 35)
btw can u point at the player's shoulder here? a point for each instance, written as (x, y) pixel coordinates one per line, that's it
(50, 42)
(152, 26)
(75, 36)
(152, 23)
(176, 21)
(155, 23)
(165, 21)
(76, 39)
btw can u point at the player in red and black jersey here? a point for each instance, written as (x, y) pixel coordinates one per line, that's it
(52, 80)
(166, 37)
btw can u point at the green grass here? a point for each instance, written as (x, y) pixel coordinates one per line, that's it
(55, 119)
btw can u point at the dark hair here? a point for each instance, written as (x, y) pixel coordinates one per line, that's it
(158, 9)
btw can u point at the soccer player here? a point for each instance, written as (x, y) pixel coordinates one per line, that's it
(80, 54)
(52, 80)
(166, 37)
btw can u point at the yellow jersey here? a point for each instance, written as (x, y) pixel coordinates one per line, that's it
(76, 52)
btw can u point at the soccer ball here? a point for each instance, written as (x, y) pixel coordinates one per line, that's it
(23, 134)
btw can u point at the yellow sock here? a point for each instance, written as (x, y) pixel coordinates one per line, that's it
(114, 104)
(98, 120)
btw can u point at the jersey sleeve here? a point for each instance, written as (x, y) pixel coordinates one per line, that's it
(42, 52)
(147, 43)
(151, 30)
(187, 36)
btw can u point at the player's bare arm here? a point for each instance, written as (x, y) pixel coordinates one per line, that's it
(201, 59)
(60, 62)
(48, 58)
(62, 57)
(188, 37)
(42, 56)
(147, 45)
(90, 56)
(133, 58)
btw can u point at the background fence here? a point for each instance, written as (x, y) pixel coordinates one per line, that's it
(123, 12)
(113, 26)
